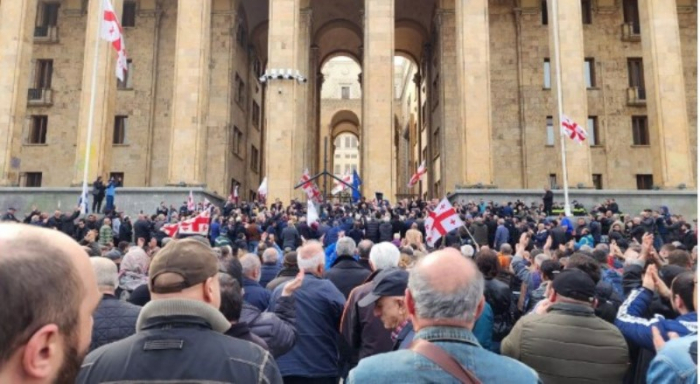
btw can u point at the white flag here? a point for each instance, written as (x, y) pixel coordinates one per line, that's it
(262, 190)
(311, 213)
(84, 200)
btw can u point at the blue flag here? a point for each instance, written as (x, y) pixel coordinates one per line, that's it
(356, 182)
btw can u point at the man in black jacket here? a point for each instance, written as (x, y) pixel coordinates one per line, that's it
(372, 229)
(63, 222)
(179, 333)
(114, 319)
(346, 273)
(142, 229)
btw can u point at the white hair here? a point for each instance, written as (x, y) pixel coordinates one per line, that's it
(467, 250)
(250, 263)
(270, 255)
(106, 272)
(384, 255)
(345, 246)
(541, 258)
(309, 261)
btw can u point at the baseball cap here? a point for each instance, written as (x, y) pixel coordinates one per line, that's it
(575, 284)
(389, 282)
(194, 261)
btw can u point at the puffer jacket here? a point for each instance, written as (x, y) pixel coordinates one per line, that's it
(588, 349)
(112, 321)
(498, 295)
(277, 329)
(386, 232)
(372, 231)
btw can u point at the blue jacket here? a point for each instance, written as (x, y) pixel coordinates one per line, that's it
(111, 188)
(483, 328)
(406, 366)
(268, 272)
(673, 364)
(255, 294)
(585, 240)
(113, 320)
(330, 256)
(502, 236)
(319, 306)
(613, 278)
(404, 338)
(637, 329)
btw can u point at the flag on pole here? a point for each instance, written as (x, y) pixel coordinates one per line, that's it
(190, 202)
(574, 131)
(422, 170)
(441, 221)
(340, 187)
(234, 195)
(262, 190)
(198, 225)
(111, 31)
(311, 213)
(83, 201)
(311, 189)
(356, 182)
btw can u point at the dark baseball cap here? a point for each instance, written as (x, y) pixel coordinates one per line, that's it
(574, 284)
(194, 261)
(389, 282)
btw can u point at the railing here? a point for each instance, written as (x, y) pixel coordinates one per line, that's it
(631, 31)
(39, 97)
(636, 96)
(46, 34)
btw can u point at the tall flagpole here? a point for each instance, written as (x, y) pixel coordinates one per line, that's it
(93, 91)
(554, 22)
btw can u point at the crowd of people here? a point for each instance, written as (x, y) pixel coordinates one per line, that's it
(516, 295)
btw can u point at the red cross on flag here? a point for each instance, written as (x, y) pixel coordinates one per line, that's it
(418, 175)
(441, 221)
(198, 225)
(340, 187)
(112, 32)
(574, 131)
(170, 229)
(311, 189)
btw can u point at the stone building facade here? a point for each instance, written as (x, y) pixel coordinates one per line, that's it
(479, 104)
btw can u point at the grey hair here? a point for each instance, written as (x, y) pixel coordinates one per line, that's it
(541, 258)
(459, 304)
(345, 247)
(308, 261)
(467, 250)
(250, 263)
(506, 249)
(384, 255)
(270, 255)
(106, 272)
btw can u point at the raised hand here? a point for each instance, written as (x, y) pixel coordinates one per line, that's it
(294, 285)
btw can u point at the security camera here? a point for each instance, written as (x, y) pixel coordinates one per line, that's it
(301, 79)
(289, 76)
(273, 74)
(263, 78)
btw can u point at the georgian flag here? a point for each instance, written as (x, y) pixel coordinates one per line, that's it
(311, 189)
(190, 203)
(170, 229)
(340, 187)
(441, 221)
(262, 190)
(198, 225)
(574, 131)
(111, 31)
(418, 175)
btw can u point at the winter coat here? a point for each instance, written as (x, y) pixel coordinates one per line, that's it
(372, 231)
(268, 272)
(255, 294)
(346, 274)
(481, 233)
(113, 320)
(277, 328)
(290, 238)
(386, 232)
(283, 276)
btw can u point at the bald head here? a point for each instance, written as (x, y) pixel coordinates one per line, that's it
(48, 289)
(311, 257)
(446, 288)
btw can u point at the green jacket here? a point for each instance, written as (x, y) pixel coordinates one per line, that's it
(105, 235)
(569, 344)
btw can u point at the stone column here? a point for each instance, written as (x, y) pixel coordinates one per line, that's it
(16, 39)
(283, 46)
(452, 150)
(378, 161)
(666, 98)
(100, 152)
(574, 97)
(312, 136)
(473, 70)
(304, 129)
(190, 102)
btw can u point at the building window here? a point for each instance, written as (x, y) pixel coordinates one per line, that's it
(586, 12)
(129, 14)
(39, 126)
(257, 68)
(354, 142)
(553, 181)
(640, 130)
(43, 74)
(32, 179)
(354, 167)
(545, 13)
(119, 135)
(597, 181)
(631, 13)
(256, 115)
(254, 159)
(240, 90)
(550, 131)
(234, 183)
(593, 136)
(436, 142)
(347, 142)
(589, 70)
(126, 84)
(337, 169)
(118, 178)
(46, 18)
(236, 140)
(645, 181)
(547, 71)
(241, 34)
(344, 92)
(635, 70)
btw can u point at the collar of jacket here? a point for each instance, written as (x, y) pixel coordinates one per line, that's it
(350, 259)
(182, 307)
(288, 272)
(444, 333)
(572, 309)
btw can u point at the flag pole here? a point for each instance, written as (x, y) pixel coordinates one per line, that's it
(93, 91)
(554, 18)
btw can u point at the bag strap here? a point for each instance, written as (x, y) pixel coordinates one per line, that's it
(444, 360)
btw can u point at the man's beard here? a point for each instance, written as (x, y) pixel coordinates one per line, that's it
(72, 360)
